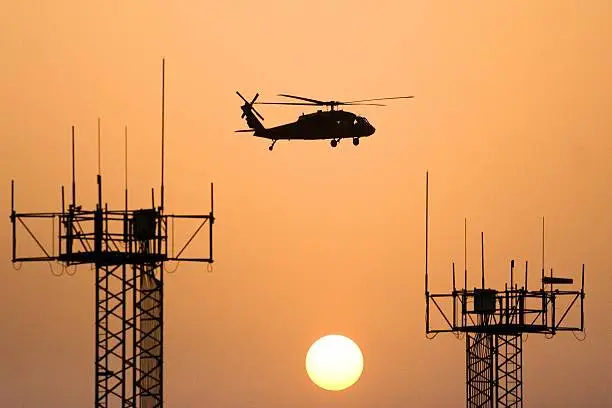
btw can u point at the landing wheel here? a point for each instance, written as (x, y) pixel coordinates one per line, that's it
(356, 141)
(270, 148)
(334, 143)
(272, 145)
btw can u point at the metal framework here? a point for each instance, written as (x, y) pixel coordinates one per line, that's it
(128, 249)
(494, 322)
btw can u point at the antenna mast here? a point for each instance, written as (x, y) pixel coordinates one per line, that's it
(426, 251)
(99, 149)
(162, 130)
(543, 253)
(482, 255)
(465, 252)
(126, 168)
(73, 172)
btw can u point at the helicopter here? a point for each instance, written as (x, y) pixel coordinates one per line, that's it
(335, 124)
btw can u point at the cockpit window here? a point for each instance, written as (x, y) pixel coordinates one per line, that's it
(361, 120)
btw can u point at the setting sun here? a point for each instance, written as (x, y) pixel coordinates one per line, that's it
(334, 362)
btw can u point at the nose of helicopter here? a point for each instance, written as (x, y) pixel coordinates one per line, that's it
(371, 130)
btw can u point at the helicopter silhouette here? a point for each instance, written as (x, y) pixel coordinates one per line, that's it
(335, 124)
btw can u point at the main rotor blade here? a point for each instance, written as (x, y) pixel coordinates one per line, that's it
(304, 99)
(354, 103)
(316, 104)
(382, 99)
(286, 103)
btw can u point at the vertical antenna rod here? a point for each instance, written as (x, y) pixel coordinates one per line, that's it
(212, 220)
(99, 180)
(212, 199)
(99, 149)
(126, 168)
(162, 130)
(542, 243)
(465, 252)
(542, 253)
(482, 254)
(15, 227)
(582, 301)
(454, 299)
(59, 236)
(426, 231)
(73, 176)
(125, 214)
(426, 250)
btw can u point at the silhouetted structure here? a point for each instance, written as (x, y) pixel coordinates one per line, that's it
(494, 321)
(128, 249)
(333, 124)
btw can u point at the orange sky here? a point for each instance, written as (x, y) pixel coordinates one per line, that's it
(511, 118)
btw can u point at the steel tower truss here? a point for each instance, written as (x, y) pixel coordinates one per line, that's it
(494, 370)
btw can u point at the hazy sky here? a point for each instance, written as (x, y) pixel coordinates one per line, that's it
(511, 118)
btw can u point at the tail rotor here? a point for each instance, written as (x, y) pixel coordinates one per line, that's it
(249, 105)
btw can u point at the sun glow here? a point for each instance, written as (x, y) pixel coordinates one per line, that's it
(334, 362)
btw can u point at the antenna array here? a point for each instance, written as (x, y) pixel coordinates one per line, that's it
(128, 249)
(495, 321)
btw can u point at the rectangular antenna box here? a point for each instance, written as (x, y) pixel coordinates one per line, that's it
(484, 301)
(143, 224)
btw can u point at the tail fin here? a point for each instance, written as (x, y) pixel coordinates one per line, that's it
(249, 112)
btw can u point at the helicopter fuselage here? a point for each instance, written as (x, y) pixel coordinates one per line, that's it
(321, 125)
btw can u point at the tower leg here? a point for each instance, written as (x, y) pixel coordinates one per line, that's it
(148, 345)
(480, 381)
(509, 370)
(111, 367)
